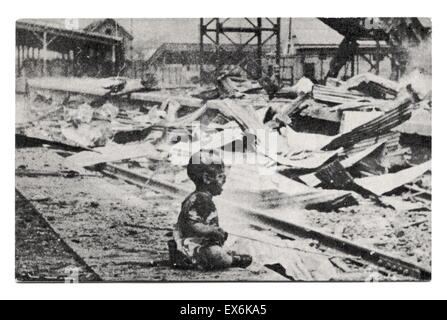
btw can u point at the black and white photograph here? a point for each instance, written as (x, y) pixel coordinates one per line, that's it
(287, 149)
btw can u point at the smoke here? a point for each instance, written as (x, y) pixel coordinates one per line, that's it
(419, 69)
(420, 57)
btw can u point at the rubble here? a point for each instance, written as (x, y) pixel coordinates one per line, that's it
(94, 134)
(362, 131)
(373, 85)
(313, 172)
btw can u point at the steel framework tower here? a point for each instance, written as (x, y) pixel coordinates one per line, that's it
(260, 31)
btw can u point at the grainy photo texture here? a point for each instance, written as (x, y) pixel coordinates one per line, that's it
(223, 149)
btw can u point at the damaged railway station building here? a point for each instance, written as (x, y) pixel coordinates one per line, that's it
(50, 48)
(324, 126)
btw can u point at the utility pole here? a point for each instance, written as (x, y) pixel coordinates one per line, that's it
(132, 64)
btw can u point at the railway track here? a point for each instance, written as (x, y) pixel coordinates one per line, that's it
(340, 248)
(384, 263)
(349, 258)
(36, 235)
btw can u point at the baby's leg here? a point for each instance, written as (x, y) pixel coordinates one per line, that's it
(214, 257)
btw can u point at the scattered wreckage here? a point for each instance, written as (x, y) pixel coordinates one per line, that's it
(277, 158)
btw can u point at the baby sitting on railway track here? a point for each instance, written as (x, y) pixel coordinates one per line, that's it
(198, 239)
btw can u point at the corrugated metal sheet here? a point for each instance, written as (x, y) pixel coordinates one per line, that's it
(374, 128)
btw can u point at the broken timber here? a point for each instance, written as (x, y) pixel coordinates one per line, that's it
(374, 128)
(371, 255)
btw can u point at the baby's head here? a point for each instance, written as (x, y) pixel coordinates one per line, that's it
(207, 170)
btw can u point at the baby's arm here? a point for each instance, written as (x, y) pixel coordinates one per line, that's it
(211, 232)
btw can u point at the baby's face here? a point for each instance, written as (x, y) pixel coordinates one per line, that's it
(216, 185)
(221, 178)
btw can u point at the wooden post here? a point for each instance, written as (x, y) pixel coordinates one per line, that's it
(259, 49)
(73, 62)
(218, 31)
(358, 64)
(65, 61)
(114, 59)
(201, 58)
(22, 58)
(378, 58)
(321, 67)
(378, 65)
(278, 42)
(353, 65)
(45, 54)
(18, 61)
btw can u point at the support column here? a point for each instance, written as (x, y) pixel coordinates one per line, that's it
(66, 59)
(218, 31)
(278, 41)
(321, 57)
(201, 50)
(18, 60)
(22, 59)
(45, 54)
(378, 53)
(73, 63)
(114, 60)
(353, 65)
(358, 64)
(259, 49)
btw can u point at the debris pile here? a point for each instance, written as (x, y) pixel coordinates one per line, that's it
(275, 160)
(372, 113)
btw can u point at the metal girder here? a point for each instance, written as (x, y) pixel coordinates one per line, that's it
(262, 30)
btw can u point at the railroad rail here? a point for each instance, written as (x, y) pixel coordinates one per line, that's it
(384, 261)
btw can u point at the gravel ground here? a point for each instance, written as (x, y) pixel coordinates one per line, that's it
(384, 229)
(119, 230)
(41, 255)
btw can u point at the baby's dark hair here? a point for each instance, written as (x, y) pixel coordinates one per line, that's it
(204, 162)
